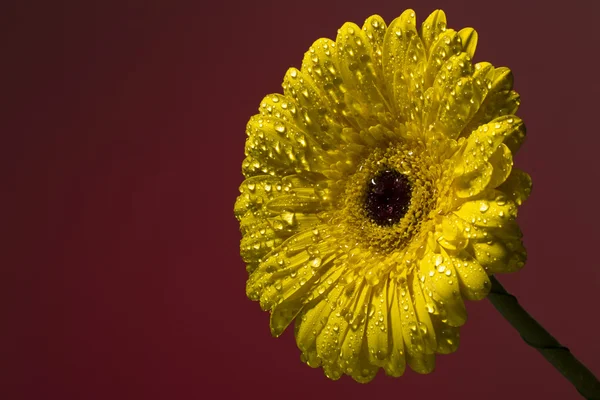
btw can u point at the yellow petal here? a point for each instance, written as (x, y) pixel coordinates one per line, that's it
(502, 161)
(492, 256)
(286, 281)
(415, 346)
(284, 109)
(443, 91)
(329, 340)
(352, 344)
(515, 139)
(448, 337)
(474, 182)
(258, 241)
(474, 282)
(287, 223)
(397, 40)
(332, 371)
(278, 265)
(404, 59)
(458, 106)
(255, 193)
(484, 71)
(440, 274)
(452, 234)
(502, 79)
(492, 210)
(297, 204)
(484, 142)
(261, 283)
(284, 313)
(365, 371)
(503, 252)
(297, 289)
(408, 93)
(517, 186)
(397, 360)
(314, 317)
(328, 277)
(264, 146)
(298, 129)
(375, 28)
(452, 71)
(424, 321)
(315, 109)
(448, 44)
(468, 38)
(377, 326)
(359, 72)
(432, 27)
(320, 65)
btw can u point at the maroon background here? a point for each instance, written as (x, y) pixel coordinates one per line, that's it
(122, 140)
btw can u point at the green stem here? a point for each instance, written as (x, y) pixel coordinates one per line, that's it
(537, 337)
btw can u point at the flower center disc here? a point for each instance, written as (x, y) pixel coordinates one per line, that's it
(388, 197)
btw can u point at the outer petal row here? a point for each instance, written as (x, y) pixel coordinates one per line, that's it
(357, 328)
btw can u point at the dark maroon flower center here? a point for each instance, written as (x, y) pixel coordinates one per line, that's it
(388, 197)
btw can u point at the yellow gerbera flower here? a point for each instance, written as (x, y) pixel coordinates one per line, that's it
(380, 192)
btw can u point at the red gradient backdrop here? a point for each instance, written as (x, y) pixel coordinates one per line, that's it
(122, 141)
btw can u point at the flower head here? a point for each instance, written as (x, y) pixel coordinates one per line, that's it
(380, 192)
